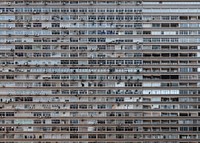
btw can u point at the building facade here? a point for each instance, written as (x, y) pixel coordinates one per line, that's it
(99, 71)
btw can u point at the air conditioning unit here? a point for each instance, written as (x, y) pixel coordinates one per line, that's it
(9, 3)
(138, 2)
(46, 27)
(45, 3)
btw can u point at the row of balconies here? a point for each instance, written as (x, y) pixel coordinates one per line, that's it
(159, 138)
(93, 41)
(98, 91)
(98, 113)
(137, 64)
(128, 104)
(118, 84)
(93, 49)
(105, 47)
(64, 2)
(101, 54)
(111, 58)
(122, 77)
(114, 121)
(58, 40)
(120, 99)
(83, 103)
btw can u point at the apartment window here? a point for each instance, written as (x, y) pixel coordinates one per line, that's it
(165, 25)
(73, 2)
(128, 121)
(110, 10)
(83, 10)
(110, 17)
(37, 24)
(37, 9)
(101, 39)
(174, 24)
(73, 128)
(19, 25)
(73, 62)
(101, 106)
(119, 99)
(92, 77)
(18, 2)
(56, 121)
(18, 9)
(91, 17)
(37, 122)
(101, 10)
(74, 121)
(55, 32)
(55, 77)
(183, 17)
(74, 106)
(2, 113)
(65, 91)
(137, 62)
(101, 136)
(131, 10)
(74, 55)
(19, 47)
(73, 136)
(165, 17)
(55, 24)
(46, 55)
(91, 136)
(137, 18)
(128, 84)
(55, 9)
(174, 17)
(64, 129)
(37, 114)
(155, 24)
(183, 32)
(119, 136)
(82, 106)
(128, 17)
(64, 61)
(118, 17)
(101, 17)
(147, 32)
(28, 98)
(165, 39)
(129, 62)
